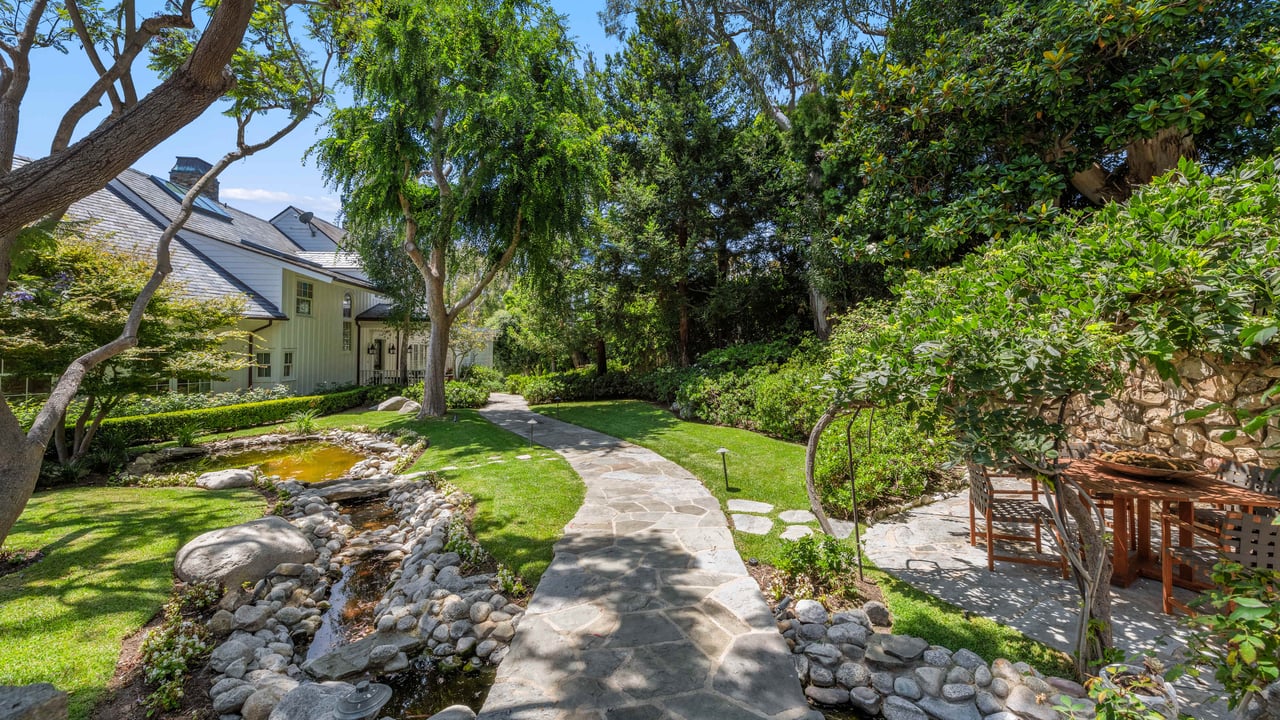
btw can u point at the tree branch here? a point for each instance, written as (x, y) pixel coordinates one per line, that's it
(493, 270)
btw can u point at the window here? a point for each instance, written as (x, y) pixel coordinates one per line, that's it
(346, 306)
(193, 386)
(346, 337)
(287, 370)
(263, 361)
(202, 204)
(302, 301)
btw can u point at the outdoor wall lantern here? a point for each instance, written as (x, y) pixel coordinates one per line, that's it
(391, 349)
(373, 349)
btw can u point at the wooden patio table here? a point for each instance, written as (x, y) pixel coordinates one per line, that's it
(1133, 556)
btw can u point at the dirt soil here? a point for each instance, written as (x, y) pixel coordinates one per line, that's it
(854, 594)
(12, 561)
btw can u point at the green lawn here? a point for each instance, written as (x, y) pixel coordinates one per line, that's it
(772, 471)
(108, 567)
(522, 506)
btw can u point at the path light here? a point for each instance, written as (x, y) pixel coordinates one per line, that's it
(724, 464)
(363, 702)
(531, 423)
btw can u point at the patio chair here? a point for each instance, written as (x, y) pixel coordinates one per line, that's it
(1253, 477)
(1008, 507)
(1247, 538)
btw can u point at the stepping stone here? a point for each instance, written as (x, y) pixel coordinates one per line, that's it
(795, 532)
(749, 506)
(524, 457)
(841, 528)
(797, 516)
(752, 524)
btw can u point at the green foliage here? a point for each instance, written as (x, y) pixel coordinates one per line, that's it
(460, 540)
(509, 583)
(162, 426)
(173, 401)
(186, 435)
(996, 342)
(816, 565)
(168, 655)
(973, 127)
(457, 394)
(303, 422)
(486, 378)
(1237, 633)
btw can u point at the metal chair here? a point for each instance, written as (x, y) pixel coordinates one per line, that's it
(995, 506)
(1250, 539)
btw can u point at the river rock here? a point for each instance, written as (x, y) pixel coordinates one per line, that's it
(1023, 701)
(878, 614)
(827, 695)
(229, 652)
(225, 479)
(252, 618)
(810, 611)
(455, 712)
(310, 701)
(896, 708)
(242, 553)
(231, 700)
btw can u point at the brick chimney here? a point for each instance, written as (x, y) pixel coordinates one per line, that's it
(187, 171)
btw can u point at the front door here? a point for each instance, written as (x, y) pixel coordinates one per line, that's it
(381, 346)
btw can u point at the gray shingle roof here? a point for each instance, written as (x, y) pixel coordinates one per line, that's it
(126, 228)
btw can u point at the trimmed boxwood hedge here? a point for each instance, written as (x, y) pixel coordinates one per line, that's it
(165, 426)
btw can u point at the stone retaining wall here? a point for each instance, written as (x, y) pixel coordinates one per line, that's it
(1146, 414)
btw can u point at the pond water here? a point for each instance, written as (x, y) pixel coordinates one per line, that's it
(420, 691)
(305, 462)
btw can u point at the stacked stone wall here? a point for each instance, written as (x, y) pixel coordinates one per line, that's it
(1147, 414)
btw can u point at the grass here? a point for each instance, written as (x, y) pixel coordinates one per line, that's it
(108, 568)
(772, 471)
(521, 506)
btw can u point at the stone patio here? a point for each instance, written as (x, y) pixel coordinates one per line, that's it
(647, 610)
(928, 547)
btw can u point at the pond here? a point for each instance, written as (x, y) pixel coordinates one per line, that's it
(305, 462)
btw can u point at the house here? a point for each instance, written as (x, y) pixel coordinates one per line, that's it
(315, 319)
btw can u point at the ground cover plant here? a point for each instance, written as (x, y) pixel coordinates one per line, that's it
(107, 570)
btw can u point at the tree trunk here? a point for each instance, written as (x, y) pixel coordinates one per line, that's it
(818, 304)
(433, 400)
(602, 358)
(811, 464)
(19, 469)
(1158, 155)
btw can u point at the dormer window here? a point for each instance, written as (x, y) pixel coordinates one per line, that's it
(302, 299)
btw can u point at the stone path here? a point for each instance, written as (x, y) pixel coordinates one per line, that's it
(647, 610)
(928, 547)
(795, 524)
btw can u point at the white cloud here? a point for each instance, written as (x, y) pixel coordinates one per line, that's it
(325, 204)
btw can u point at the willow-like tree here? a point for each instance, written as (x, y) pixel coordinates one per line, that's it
(471, 130)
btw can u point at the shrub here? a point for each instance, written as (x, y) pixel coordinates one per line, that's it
(1235, 634)
(899, 464)
(303, 421)
(187, 434)
(163, 426)
(815, 565)
(485, 377)
(457, 394)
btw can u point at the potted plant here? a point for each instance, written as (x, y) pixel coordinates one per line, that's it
(1130, 691)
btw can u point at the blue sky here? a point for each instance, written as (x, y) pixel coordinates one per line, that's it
(263, 184)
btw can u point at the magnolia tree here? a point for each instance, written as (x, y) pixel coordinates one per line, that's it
(481, 145)
(250, 54)
(998, 344)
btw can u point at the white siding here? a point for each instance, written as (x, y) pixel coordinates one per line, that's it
(309, 239)
(259, 272)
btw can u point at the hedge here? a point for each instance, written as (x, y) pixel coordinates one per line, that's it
(165, 426)
(457, 394)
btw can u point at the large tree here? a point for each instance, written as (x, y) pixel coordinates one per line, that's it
(264, 71)
(972, 126)
(471, 131)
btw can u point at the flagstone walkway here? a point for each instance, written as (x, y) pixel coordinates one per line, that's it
(647, 610)
(928, 547)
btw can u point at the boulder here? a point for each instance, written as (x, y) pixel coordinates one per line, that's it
(242, 553)
(393, 403)
(409, 407)
(225, 479)
(454, 712)
(41, 701)
(310, 701)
